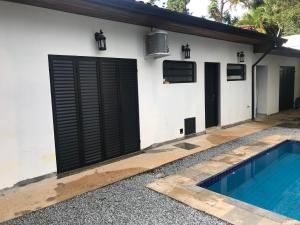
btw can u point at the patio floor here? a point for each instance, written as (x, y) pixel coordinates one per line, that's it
(23, 200)
(182, 186)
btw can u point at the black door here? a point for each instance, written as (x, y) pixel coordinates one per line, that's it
(211, 94)
(95, 109)
(286, 91)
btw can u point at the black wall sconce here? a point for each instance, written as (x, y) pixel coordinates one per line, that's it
(186, 51)
(101, 40)
(241, 57)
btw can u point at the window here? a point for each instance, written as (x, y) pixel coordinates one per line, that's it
(179, 72)
(236, 72)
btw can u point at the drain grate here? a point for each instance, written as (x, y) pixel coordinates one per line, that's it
(186, 146)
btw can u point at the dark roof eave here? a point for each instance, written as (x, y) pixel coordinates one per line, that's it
(288, 52)
(138, 13)
(181, 18)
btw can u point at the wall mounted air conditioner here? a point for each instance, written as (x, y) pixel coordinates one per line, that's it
(157, 44)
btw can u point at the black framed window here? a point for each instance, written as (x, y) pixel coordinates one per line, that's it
(179, 72)
(236, 72)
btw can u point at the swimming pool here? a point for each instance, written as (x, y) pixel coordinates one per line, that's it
(270, 180)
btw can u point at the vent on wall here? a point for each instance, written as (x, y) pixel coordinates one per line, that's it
(157, 44)
(190, 126)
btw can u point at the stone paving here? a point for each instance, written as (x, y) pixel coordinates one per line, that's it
(19, 201)
(183, 186)
(130, 202)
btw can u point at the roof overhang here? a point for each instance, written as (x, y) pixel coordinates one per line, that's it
(129, 11)
(284, 51)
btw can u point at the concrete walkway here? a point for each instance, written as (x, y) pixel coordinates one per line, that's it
(22, 200)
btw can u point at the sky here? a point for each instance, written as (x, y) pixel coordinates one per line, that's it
(200, 8)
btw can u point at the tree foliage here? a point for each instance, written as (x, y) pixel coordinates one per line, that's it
(272, 15)
(219, 10)
(178, 5)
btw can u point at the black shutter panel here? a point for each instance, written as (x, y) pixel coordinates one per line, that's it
(95, 109)
(129, 105)
(110, 93)
(90, 110)
(65, 113)
(287, 87)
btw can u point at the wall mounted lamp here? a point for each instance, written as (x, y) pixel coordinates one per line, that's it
(186, 51)
(101, 40)
(241, 57)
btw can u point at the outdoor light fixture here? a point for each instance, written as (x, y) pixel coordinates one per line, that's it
(101, 40)
(186, 51)
(241, 57)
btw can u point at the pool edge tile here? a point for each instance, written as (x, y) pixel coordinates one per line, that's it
(221, 206)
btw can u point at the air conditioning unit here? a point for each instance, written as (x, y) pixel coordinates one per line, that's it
(157, 44)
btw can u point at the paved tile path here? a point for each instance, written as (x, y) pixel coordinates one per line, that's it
(182, 186)
(130, 202)
(23, 200)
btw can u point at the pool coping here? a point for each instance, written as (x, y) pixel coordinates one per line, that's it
(216, 178)
(182, 186)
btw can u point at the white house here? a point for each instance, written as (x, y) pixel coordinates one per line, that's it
(66, 104)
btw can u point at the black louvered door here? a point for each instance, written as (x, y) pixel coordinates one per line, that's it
(110, 89)
(65, 113)
(90, 111)
(286, 88)
(129, 101)
(95, 109)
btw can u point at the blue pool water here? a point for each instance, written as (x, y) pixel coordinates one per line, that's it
(270, 180)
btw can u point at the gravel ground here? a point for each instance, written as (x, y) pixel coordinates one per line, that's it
(130, 202)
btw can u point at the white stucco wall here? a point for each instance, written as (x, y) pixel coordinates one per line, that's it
(262, 89)
(273, 63)
(29, 34)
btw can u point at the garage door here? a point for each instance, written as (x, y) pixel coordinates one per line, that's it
(287, 87)
(95, 109)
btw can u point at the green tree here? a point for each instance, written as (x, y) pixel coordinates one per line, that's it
(229, 19)
(219, 10)
(178, 5)
(215, 11)
(272, 15)
(254, 19)
(255, 3)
